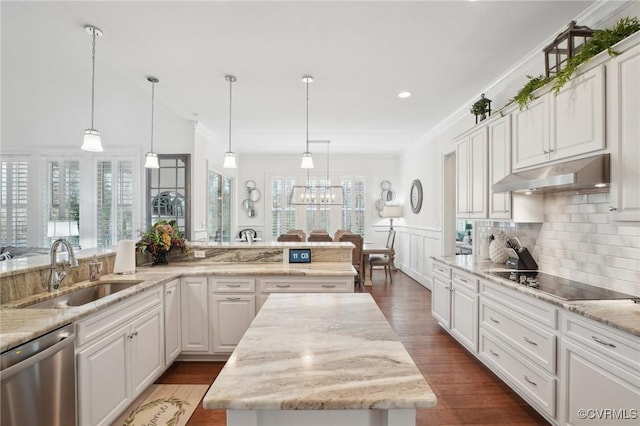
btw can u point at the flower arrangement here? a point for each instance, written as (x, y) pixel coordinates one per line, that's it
(162, 237)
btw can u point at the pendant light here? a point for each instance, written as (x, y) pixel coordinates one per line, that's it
(92, 141)
(307, 159)
(229, 156)
(151, 159)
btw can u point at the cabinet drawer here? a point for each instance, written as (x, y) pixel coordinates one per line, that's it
(533, 383)
(290, 285)
(618, 346)
(233, 285)
(96, 326)
(465, 279)
(534, 342)
(442, 270)
(540, 312)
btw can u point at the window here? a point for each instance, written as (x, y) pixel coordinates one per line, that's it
(354, 211)
(168, 191)
(115, 204)
(219, 207)
(283, 215)
(14, 182)
(61, 195)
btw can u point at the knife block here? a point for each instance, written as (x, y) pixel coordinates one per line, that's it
(525, 260)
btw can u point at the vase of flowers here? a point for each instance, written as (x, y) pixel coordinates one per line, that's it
(160, 239)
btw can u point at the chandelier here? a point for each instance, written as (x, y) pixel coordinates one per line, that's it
(325, 195)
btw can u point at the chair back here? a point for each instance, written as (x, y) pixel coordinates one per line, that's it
(299, 232)
(290, 238)
(339, 233)
(318, 237)
(391, 238)
(356, 253)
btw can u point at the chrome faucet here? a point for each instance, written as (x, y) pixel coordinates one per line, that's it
(56, 278)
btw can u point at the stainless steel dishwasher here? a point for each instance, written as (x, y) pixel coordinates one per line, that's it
(38, 381)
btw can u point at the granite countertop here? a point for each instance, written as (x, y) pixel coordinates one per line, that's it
(622, 314)
(319, 352)
(20, 325)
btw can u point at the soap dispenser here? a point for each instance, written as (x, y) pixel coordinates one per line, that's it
(95, 268)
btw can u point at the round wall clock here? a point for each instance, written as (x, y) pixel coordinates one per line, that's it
(416, 196)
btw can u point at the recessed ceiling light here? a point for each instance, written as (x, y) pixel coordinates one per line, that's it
(404, 95)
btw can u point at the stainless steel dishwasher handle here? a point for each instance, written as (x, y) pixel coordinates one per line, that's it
(37, 357)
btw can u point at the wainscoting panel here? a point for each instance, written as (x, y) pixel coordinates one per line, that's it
(414, 246)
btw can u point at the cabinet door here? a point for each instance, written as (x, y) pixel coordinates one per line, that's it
(172, 323)
(102, 379)
(231, 315)
(623, 85)
(592, 382)
(195, 314)
(441, 301)
(478, 177)
(577, 116)
(499, 166)
(147, 350)
(531, 134)
(464, 317)
(462, 178)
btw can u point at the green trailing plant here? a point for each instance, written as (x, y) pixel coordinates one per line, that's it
(600, 41)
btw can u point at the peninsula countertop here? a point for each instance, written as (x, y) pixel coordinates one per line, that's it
(320, 352)
(19, 325)
(621, 314)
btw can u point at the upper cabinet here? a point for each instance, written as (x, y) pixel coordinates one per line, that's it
(568, 124)
(471, 174)
(623, 133)
(499, 133)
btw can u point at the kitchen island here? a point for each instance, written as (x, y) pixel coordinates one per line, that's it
(320, 359)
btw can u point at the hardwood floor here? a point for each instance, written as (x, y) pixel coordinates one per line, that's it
(468, 393)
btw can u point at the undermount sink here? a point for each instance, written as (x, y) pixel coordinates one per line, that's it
(84, 295)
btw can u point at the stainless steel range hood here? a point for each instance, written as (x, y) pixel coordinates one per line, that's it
(583, 174)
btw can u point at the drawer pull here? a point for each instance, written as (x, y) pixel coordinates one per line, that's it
(169, 291)
(283, 285)
(530, 381)
(531, 342)
(463, 280)
(233, 285)
(328, 285)
(602, 342)
(233, 298)
(494, 320)
(494, 354)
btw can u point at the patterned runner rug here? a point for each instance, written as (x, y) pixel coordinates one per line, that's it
(163, 405)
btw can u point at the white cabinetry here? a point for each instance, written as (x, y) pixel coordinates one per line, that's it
(120, 352)
(623, 128)
(195, 314)
(568, 124)
(289, 284)
(499, 166)
(600, 372)
(232, 303)
(454, 303)
(172, 321)
(471, 174)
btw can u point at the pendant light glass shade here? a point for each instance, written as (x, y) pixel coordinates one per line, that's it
(92, 141)
(307, 159)
(229, 156)
(151, 159)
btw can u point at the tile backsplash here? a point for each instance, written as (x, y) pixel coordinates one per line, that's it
(578, 242)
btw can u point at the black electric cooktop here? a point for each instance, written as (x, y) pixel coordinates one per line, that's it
(560, 287)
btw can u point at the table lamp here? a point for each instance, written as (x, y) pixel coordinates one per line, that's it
(391, 212)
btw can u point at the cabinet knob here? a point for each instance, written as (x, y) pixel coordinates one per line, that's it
(169, 291)
(612, 209)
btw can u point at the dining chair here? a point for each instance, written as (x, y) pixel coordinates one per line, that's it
(290, 238)
(385, 261)
(318, 237)
(356, 253)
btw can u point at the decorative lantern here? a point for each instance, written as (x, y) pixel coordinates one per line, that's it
(481, 108)
(565, 46)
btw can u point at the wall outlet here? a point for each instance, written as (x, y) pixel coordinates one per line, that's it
(198, 253)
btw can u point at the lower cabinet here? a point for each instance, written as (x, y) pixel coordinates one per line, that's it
(232, 304)
(195, 314)
(120, 351)
(172, 322)
(600, 375)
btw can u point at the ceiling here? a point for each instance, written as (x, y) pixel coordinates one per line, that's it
(361, 55)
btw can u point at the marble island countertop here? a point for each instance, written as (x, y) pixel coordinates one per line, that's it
(319, 352)
(621, 314)
(19, 324)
